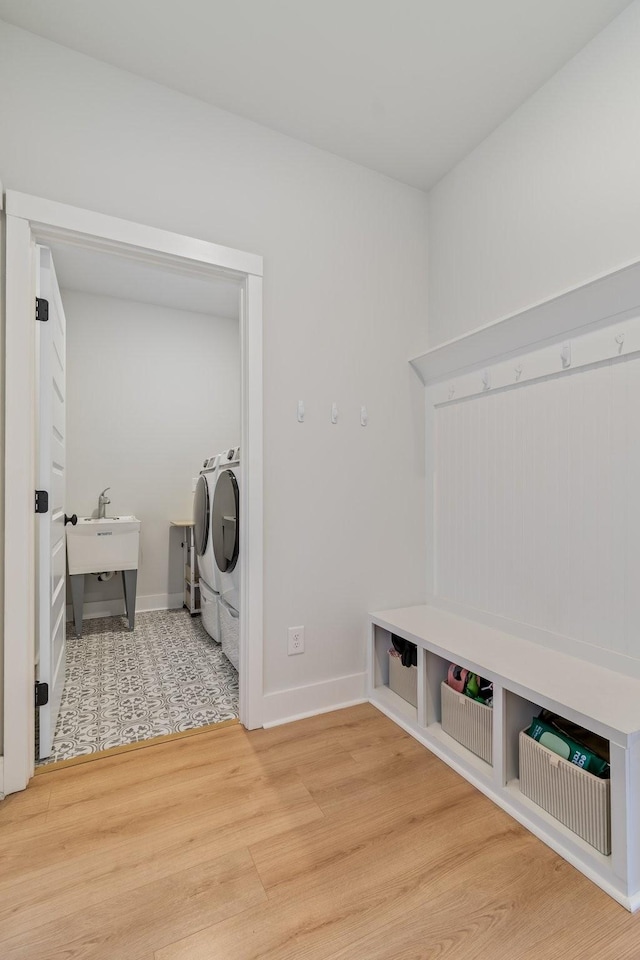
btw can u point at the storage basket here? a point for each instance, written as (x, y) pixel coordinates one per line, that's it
(403, 680)
(467, 721)
(573, 796)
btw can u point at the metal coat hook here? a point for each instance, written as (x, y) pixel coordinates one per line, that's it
(565, 354)
(620, 341)
(518, 372)
(452, 391)
(486, 381)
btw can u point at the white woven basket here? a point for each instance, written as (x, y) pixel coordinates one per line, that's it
(468, 722)
(403, 680)
(573, 796)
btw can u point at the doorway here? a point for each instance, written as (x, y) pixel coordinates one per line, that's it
(30, 221)
(150, 388)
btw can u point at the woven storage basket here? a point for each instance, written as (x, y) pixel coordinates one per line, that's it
(468, 722)
(403, 680)
(572, 795)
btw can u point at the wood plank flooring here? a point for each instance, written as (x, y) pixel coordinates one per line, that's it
(334, 838)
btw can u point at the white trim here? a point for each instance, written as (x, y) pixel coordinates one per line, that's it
(46, 214)
(95, 609)
(604, 299)
(251, 496)
(33, 218)
(284, 706)
(315, 713)
(19, 486)
(2, 793)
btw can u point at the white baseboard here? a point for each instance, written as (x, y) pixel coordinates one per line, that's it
(284, 706)
(1, 778)
(115, 607)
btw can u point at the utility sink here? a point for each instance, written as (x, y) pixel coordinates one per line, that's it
(97, 546)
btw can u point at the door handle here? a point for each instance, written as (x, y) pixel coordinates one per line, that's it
(73, 519)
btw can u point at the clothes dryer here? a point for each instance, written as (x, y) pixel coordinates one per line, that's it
(225, 528)
(202, 506)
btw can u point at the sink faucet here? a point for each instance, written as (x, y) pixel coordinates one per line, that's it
(102, 503)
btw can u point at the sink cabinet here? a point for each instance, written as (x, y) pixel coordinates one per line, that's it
(100, 546)
(97, 546)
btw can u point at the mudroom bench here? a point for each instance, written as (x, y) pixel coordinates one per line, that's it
(526, 677)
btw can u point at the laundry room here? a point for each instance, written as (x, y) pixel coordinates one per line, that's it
(152, 390)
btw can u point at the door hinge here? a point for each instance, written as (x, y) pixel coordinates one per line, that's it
(42, 694)
(42, 309)
(42, 501)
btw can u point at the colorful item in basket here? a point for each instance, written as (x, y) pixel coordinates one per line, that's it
(545, 728)
(473, 686)
(457, 677)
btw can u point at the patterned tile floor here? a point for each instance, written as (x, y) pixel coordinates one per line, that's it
(120, 687)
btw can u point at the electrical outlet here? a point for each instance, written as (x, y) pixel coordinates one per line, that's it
(296, 641)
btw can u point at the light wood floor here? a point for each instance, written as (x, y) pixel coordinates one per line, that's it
(335, 837)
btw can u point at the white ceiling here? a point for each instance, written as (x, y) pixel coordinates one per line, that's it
(93, 271)
(406, 87)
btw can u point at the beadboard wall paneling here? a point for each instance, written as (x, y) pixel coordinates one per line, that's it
(537, 505)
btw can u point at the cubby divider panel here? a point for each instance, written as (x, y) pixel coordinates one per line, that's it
(437, 669)
(518, 714)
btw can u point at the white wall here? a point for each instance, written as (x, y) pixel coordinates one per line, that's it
(345, 291)
(151, 392)
(535, 499)
(537, 517)
(550, 199)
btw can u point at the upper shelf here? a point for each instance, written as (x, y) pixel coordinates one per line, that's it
(612, 296)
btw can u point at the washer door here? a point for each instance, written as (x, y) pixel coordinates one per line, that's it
(201, 515)
(224, 520)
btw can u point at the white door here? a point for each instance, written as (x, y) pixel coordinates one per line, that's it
(50, 472)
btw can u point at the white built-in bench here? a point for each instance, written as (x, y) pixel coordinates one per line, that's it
(526, 676)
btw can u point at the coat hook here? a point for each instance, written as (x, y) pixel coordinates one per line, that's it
(452, 391)
(518, 372)
(620, 341)
(565, 354)
(486, 382)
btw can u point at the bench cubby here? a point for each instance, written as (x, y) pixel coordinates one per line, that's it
(526, 677)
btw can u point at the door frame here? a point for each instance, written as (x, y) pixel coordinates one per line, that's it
(31, 220)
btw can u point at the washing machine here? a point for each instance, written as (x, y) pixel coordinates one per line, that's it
(202, 504)
(225, 531)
